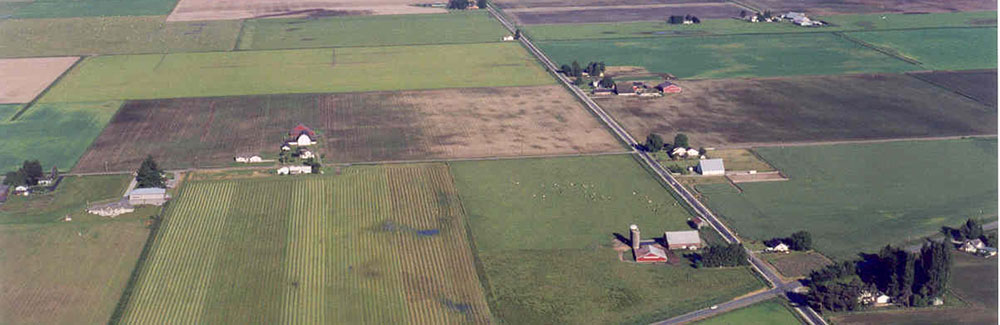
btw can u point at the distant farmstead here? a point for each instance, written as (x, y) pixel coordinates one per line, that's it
(668, 88)
(301, 135)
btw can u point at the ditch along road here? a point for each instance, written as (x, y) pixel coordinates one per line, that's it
(766, 271)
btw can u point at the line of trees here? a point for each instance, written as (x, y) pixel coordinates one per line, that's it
(971, 229)
(29, 174)
(909, 279)
(675, 20)
(655, 143)
(575, 70)
(721, 255)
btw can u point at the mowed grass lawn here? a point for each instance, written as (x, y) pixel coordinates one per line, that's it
(860, 197)
(113, 35)
(940, 49)
(54, 134)
(731, 56)
(771, 312)
(543, 230)
(84, 8)
(70, 199)
(384, 245)
(709, 27)
(450, 28)
(298, 71)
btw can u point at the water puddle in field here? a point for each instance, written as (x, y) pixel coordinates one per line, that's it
(390, 226)
(456, 306)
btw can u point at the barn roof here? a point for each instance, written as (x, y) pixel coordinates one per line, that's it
(148, 190)
(651, 249)
(687, 237)
(301, 128)
(709, 165)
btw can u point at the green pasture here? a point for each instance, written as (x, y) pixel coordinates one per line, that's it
(859, 197)
(376, 244)
(714, 27)
(451, 28)
(771, 312)
(731, 56)
(87, 8)
(7, 111)
(298, 71)
(113, 35)
(543, 229)
(70, 198)
(939, 49)
(54, 134)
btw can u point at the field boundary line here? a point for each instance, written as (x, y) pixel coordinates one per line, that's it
(447, 160)
(744, 34)
(46, 90)
(839, 142)
(484, 280)
(957, 92)
(125, 298)
(887, 51)
(239, 35)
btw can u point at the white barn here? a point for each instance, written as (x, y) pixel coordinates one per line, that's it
(711, 167)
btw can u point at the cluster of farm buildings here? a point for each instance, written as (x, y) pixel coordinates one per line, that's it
(657, 250)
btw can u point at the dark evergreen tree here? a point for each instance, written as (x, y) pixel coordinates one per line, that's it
(32, 172)
(458, 4)
(482, 4)
(149, 174)
(575, 68)
(800, 241)
(681, 140)
(934, 271)
(972, 229)
(654, 142)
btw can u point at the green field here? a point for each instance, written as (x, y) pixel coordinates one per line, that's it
(864, 196)
(83, 8)
(375, 244)
(709, 27)
(731, 56)
(66, 273)
(298, 71)
(54, 134)
(771, 312)
(543, 231)
(8, 111)
(939, 49)
(451, 28)
(113, 35)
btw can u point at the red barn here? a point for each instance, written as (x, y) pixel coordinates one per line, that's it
(650, 254)
(668, 88)
(299, 129)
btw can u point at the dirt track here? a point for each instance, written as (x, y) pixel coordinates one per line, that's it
(23, 79)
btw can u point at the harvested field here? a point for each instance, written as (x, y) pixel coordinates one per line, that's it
(828, 7)
(978, 85)
(452, 28)
(66, 273)
(745, 111)
(112, 35)
(543, 229)
(796, 264)
(938, 49)
(188, 10)
(571, 15)
(55, 134)
(860, 197)
(23, 79)
(512, 4)
(758, 177)
(449, 123)
(353, 69)
(383, 245)
(731, 55)
(84, 8)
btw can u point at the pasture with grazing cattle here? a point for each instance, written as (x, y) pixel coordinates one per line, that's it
(382, 244)
(543, 229)
(152, 76)
(860, 197)
(354, 127)
(451, 28)
(732, 55)
(824, 108)
(112, 35)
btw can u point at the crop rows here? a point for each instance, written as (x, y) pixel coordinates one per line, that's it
(376, 244)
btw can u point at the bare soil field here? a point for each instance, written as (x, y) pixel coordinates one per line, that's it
(820, 108)
(577, 14)
(511, 4)
(828, 7)
(980, 85)
(187, 10)
(23, 79)
(353, 127)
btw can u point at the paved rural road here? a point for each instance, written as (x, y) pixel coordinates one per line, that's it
(760, 266)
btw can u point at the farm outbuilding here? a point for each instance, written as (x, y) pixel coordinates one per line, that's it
(711, 167)
(650, 253)
(688, 239)
(668, 87)
(149, 195)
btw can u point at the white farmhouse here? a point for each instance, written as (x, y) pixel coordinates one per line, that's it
(254, 159)
(711, 167)
(678, 152)
(303, 140)
(692, 152)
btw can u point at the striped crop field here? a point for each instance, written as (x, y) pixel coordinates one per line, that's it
(375, 244)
